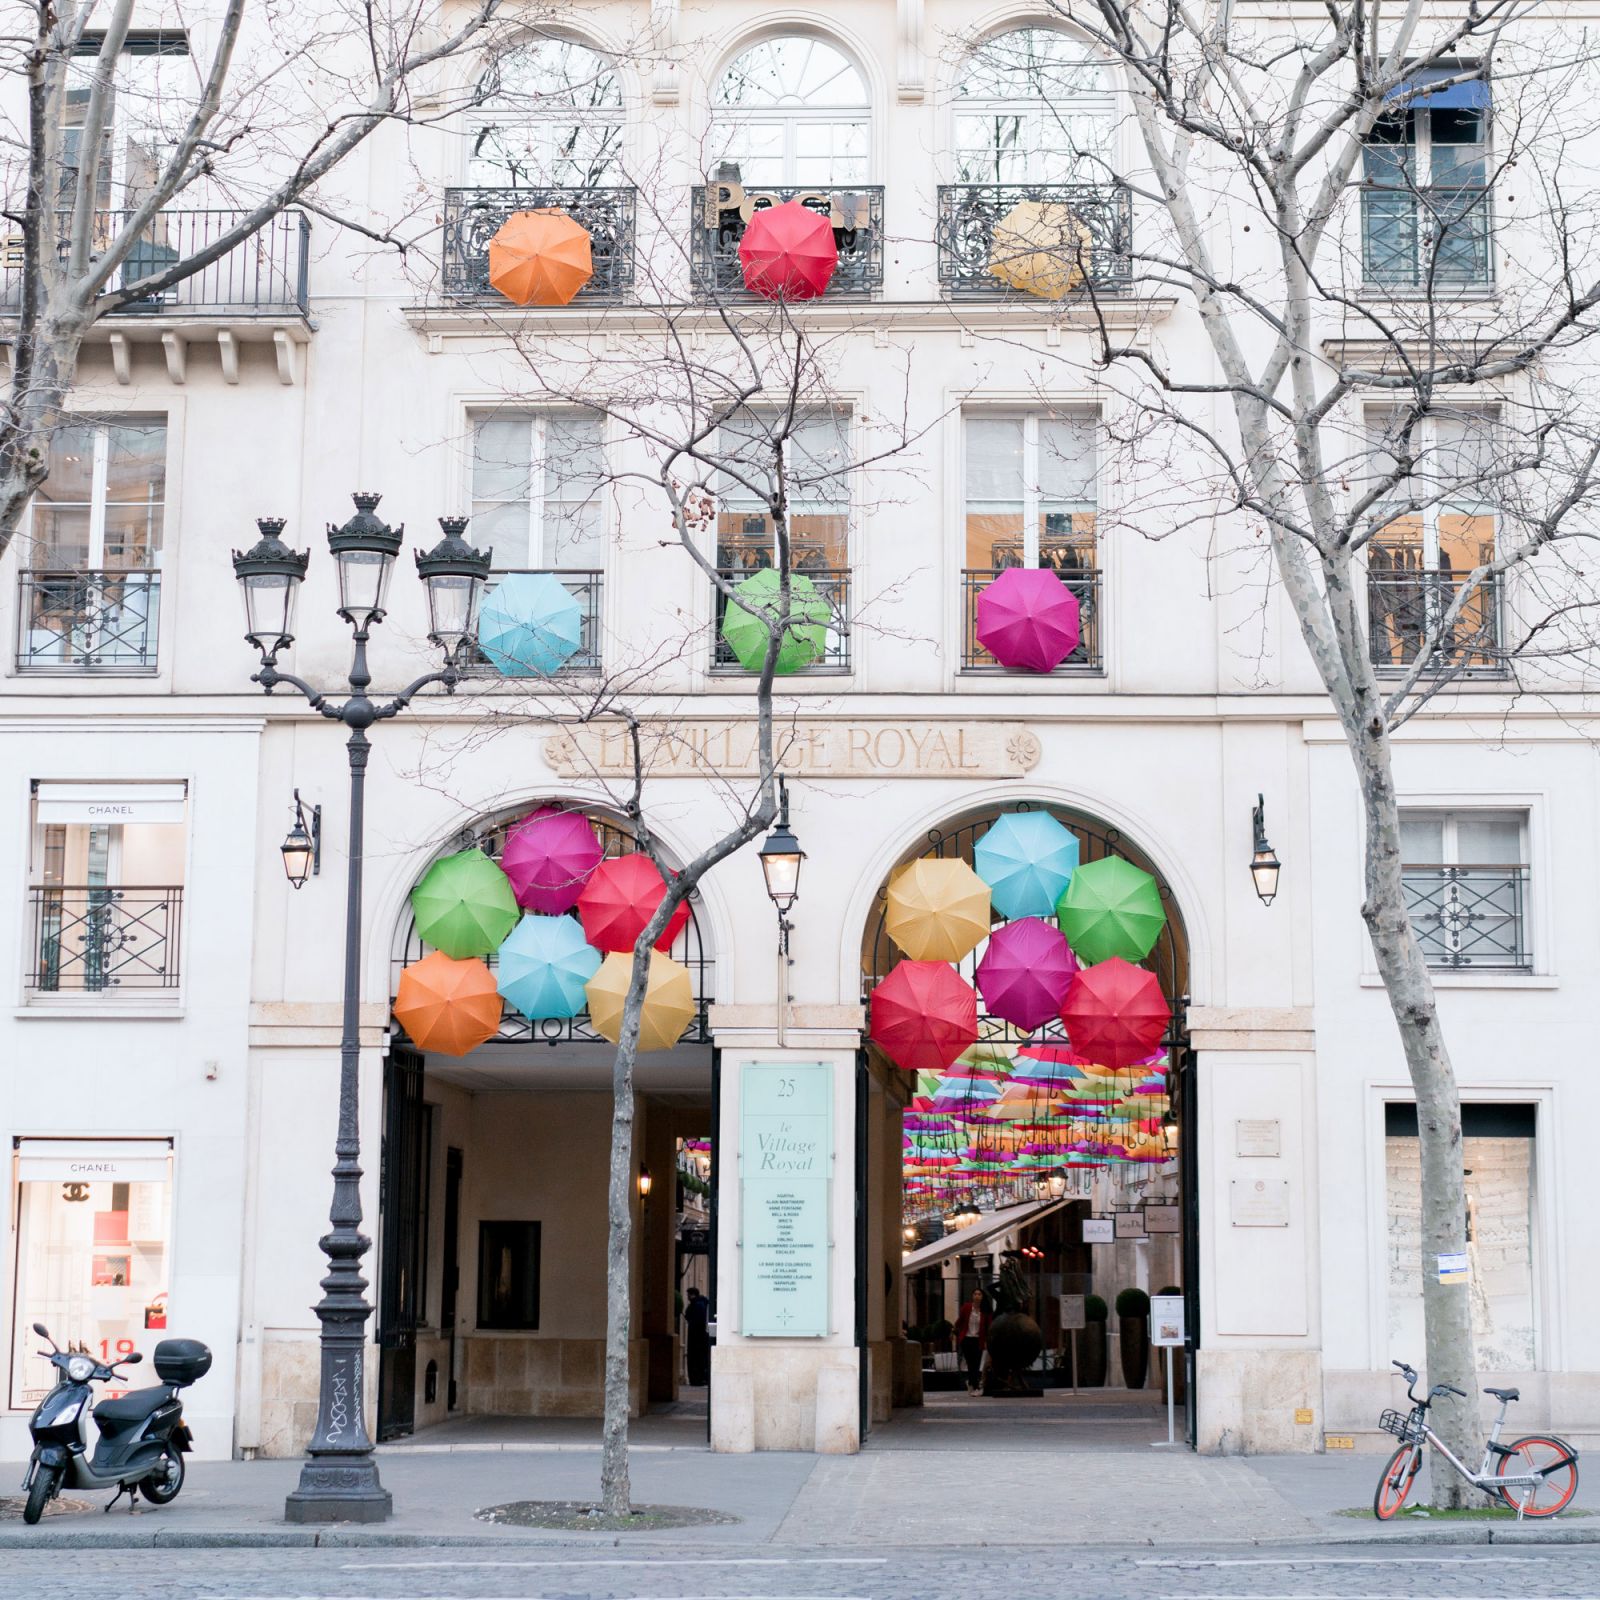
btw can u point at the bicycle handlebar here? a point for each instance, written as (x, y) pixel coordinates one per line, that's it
(1409, 1373)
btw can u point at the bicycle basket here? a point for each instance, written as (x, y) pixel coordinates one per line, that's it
(1398, 1423)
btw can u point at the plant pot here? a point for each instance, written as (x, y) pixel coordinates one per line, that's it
(1091, 1355)
(1133, 1334)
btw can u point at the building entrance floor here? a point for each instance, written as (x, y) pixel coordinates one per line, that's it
(678, 1425)
(1057, 1420)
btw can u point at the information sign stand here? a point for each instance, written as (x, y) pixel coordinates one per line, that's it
(1166, 1332)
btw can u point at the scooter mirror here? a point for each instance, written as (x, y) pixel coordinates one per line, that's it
(131, 1361)
(40, 1329)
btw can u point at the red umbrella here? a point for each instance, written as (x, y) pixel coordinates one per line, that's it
(788, 252)
(548, 857)
(1024, 974)
(1115, 1013)
(1028, 619)
(620, 898)
(924, 1014)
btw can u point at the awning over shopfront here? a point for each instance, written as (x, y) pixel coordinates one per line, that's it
(93, 1160)
(972, 1241)
(107, 803)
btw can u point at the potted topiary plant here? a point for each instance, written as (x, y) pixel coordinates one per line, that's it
(1092, 1343)
(1133, 1335)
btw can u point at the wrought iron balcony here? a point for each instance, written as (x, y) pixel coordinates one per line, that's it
(1470, 916)
(832, 585)
(100, 620)
(587, 589)
(969, 213)
(717, 224)
(1426, 238)
(93, 939)
(1406, 602)
(472, 217)
(1083, 581)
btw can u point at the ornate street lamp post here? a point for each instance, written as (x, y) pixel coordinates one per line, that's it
(339, 1481)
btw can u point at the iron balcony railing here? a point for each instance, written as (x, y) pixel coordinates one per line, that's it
(970, 212)
(1470, 916)
(1084, 582)
(1419, 238)
(587, 589)
(97, 620)
(832, 585)
(715, 229)
(1407, 603)
(472, 217)
(92, 939)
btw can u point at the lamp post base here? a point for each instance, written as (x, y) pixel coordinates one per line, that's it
(339, 1491)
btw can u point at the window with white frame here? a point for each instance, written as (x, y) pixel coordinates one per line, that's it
(538, 483)
(1466, 882)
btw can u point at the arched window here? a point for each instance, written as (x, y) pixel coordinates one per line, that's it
(549, 115)
(1033, 106)
(792, 112)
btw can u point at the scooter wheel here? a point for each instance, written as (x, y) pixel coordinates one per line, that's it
(162, 1486)
(40, 1492)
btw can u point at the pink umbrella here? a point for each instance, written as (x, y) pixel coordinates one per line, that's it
(1024, 974)
(1028, 619)
(548, 858)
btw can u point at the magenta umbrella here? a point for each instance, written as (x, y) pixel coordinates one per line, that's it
(1024, 974)
(548, 857)
(1028, 619)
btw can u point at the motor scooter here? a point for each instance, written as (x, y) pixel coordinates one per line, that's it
(143, 1437)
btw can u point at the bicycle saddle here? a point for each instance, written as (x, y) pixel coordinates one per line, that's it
(1504, 1394)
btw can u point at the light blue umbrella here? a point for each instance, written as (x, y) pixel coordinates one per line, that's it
(1027, 858)
(529, 625)
(543, 966)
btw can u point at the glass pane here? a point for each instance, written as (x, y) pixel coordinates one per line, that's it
(1031, 63)
(501, 469)
(1487, 839)
(574, 478)
(502, 526)
(1067, 463)
(71, 463)
(756, 148)
(556, 152)
(60, 536)
(136, 462)
(1388, 237)
(133, 536)
(792, 72)
(551, 74)
(1422, 840)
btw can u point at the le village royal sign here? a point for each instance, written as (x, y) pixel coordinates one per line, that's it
(815, 748)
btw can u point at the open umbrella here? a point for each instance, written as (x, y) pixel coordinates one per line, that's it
(1042, 247)
(668, 1000)
(1027, 858)
(464, 905)
(938, 909)
(620, 897)
(544, 965)
(924, 1014)
(1024, 973)
(540, 258)
(746, 622)
(788, 252)
(1115, 1013)
(1111, 908)
(548, 857)
(529, 626)
(1028, 619)
(447, 1005)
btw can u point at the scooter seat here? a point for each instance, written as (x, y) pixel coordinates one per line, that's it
(133, 1407)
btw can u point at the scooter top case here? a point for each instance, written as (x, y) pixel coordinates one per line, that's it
(181, 1361)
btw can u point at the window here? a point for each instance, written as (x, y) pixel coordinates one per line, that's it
(1425, 199)
(508, 1275)
(551, 115)
(1030, 502)
(792, 112)
(152, 98)
(1466, 882)
(537, 484)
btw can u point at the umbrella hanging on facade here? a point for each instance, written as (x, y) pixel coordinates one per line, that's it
(620, 897)
(924, 1014)
(529, 626)
(1111, 908)
(1024, 974)
(447, 1005)
(464, 905)
(668, 1000)
(788, 252)
(544, 965)
(1027, 858)
(1115, 1013)
(938, 909)
(1043, 248)
(540, 258)
(746, 622)
(548, 857)
(1028, 619)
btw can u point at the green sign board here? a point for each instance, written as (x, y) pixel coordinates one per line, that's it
(785, 1171)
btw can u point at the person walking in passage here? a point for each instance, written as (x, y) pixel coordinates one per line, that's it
(972, 1338)
(696, 1315)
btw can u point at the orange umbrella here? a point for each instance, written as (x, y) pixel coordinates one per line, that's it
(447, 1005)
(540, 258)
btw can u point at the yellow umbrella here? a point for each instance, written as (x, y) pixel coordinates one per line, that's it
(1041, 247)
(938, 910)
(668, 999)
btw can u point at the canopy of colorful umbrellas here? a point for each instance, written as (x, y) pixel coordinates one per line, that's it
(560, 919)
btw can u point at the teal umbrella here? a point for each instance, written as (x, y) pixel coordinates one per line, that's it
(544, 965)
(1027, 858)
(804, 639)
(1111, 908)
(464, 905)
(529, 626)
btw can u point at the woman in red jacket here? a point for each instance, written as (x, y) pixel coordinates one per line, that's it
(972, 1338)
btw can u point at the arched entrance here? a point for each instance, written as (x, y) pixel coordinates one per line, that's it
(492, 1200)
(957, 1190)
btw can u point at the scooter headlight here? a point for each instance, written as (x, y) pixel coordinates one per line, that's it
(80, 1368)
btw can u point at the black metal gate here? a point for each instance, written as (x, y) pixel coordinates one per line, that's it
(402, 1187)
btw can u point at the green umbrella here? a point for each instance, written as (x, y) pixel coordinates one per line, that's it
(464, 905)
(804, 639)
(1111, 908)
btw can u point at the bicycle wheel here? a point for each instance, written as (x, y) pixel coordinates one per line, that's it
(1539, 1452)
(1395, 1484)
